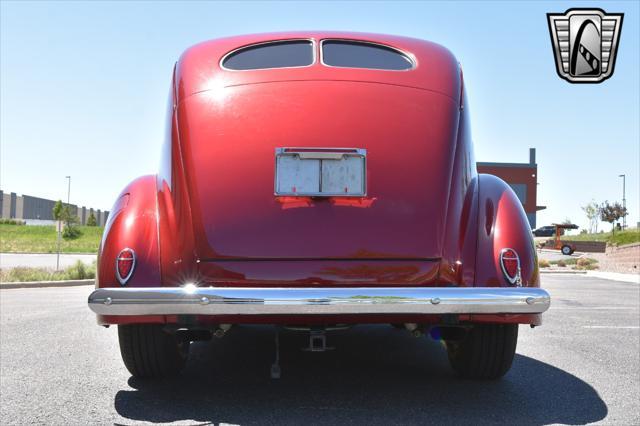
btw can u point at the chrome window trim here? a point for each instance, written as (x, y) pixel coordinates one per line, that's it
(412, 58)
(124, 280)
(314, 58)
(359, 152)
(517, 280)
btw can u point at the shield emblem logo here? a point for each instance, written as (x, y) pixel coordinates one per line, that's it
(585, 43)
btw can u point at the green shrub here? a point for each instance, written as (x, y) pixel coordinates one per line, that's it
(71, 232)
(561, 263)
(543, 263)
(58, 210)
(12, 222)
(91, 221)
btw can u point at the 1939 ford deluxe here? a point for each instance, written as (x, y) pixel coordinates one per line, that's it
(317, 180)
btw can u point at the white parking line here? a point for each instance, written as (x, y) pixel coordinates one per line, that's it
(592, 308)
(626, 327)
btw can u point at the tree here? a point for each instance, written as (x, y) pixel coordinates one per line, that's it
(58, 210)
(91, 220)
(612, 213)
(592, 210)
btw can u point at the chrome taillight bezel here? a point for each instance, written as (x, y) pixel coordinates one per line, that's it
(123, 280)
(517, 279)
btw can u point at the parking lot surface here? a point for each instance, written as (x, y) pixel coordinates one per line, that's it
(581, 366)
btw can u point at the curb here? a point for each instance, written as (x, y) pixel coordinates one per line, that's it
(51, 252)
(41, 284)
(565, 271)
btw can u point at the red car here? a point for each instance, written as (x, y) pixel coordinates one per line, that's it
(318, 180)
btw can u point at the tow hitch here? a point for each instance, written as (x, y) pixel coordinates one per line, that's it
(317, 341)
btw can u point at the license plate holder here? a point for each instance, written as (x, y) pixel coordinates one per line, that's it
(320, 172)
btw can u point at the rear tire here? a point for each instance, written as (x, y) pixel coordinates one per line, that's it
(566, 250)
(486, 352)
(150, 352)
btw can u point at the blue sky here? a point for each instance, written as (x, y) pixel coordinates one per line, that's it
(83, 89)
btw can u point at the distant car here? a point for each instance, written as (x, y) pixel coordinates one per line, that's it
(545, 231)
(316, 181)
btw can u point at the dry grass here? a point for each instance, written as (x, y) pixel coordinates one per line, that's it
(79, 271)
(586, 263)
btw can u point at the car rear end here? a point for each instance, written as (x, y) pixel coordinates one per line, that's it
(315, 173)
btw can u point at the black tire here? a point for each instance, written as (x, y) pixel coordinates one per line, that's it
(150, 352)
(566, 250)
(486, 352)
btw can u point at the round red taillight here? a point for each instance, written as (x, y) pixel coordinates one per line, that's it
(510, 263)
(125, 262)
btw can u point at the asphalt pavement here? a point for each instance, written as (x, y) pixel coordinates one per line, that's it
(581, 366)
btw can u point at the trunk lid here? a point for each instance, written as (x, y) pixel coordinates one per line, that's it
(229, 137)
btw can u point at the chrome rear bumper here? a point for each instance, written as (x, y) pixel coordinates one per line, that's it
(311, 301)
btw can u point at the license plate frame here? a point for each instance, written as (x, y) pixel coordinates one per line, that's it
(320, 172)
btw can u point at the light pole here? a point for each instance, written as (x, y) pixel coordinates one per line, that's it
(59, 226)
(624, 200)
(68, 190)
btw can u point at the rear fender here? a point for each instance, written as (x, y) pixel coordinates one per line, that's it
(133, 223)
(502, 223)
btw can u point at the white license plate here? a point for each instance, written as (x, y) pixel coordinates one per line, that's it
(323, 172)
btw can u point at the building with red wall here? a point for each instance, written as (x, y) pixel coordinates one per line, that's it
(522, 178)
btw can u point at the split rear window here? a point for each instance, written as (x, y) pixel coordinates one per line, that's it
(280, 54)
(300, 53)
(354, 54)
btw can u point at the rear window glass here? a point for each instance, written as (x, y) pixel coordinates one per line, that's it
(280, 54)
(353, 54)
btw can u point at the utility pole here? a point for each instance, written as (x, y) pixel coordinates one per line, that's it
(624, 200)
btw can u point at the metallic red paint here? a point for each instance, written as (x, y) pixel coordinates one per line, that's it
(210, 216)
(320, 273)
(229, 146)
(503, 224)
(132, 224)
